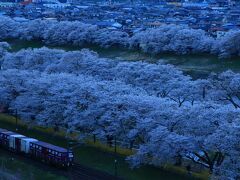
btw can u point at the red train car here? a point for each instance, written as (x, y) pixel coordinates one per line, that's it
(51, 154)
(37, 149)
(1, 136)
(4, 137)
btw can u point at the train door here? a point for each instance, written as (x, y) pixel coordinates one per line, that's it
(63, 157)
(45, 153)
(6, 141)
(18, 144)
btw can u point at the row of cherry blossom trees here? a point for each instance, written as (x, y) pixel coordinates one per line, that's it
(159, 80)
(61, 33)
(177, 39)
(162, 129)
(168, 114)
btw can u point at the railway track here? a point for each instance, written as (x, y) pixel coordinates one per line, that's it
(79, 172)
(75, 172)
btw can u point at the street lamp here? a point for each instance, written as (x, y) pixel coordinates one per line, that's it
(115, 168)
(115, 152)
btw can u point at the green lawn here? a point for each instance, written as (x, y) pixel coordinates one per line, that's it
(96, 158)
(22, 167)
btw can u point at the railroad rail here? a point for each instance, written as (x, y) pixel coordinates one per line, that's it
(78, 171)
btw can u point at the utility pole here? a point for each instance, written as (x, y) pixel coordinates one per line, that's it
(115, 145)
(94, 138)
(16, 116)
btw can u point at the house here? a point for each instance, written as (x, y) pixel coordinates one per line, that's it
(108, 24)
(7, 4)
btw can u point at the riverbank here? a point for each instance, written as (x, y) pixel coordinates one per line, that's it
(198, 66)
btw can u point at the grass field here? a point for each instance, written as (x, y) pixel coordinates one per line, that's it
(99, 158)
(24, 169)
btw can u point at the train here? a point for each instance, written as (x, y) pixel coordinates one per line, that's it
(36, 149)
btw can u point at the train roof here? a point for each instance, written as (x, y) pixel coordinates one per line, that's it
(29, 139)
(17, 136)
(3, 130)
(50, 146)
(9, 133)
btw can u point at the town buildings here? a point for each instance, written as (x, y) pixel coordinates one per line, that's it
(215, 17)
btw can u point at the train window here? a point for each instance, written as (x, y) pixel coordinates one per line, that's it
(70, 155)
